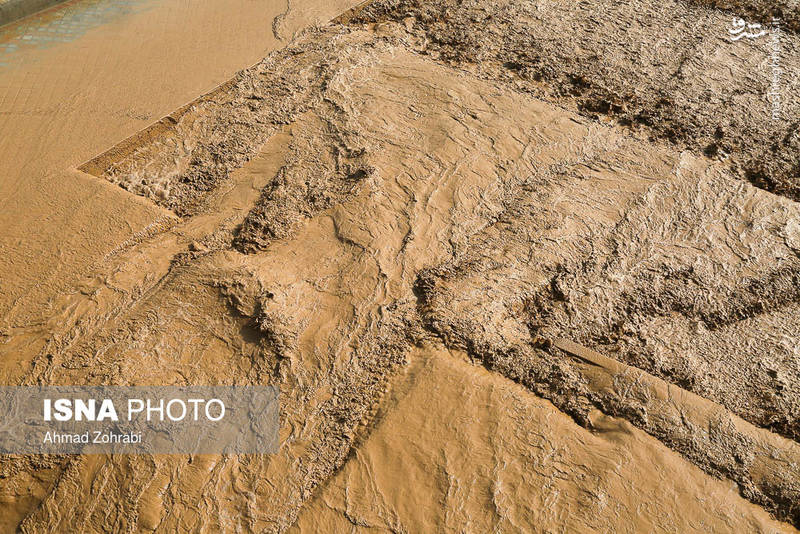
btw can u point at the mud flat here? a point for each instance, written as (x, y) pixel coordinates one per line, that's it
(485, 306)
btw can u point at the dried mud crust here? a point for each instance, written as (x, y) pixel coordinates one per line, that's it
(666, 68)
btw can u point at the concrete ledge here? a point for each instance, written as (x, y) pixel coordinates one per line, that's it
(12, 10)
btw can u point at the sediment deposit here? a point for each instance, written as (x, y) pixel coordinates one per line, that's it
(495, 260)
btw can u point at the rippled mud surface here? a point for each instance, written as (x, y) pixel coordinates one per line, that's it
(669, 69)
(494, 297)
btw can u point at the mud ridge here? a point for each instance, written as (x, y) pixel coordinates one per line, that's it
(180, 160)
(712, 442)
(685, 293)
(317, 177)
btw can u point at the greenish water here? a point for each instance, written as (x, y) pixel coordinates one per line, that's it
(62, 23)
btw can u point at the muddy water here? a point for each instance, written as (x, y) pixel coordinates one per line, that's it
(73, 81)
(110, 70)
(334, 216)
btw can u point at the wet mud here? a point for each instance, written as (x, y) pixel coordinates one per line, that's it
(487, 255)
